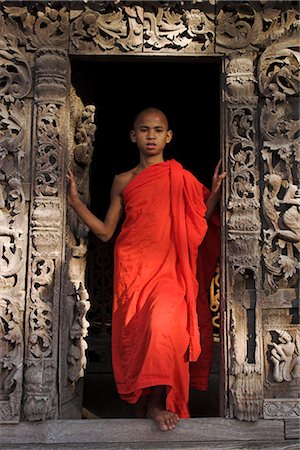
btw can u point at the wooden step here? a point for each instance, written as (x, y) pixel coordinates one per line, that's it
(202, 433)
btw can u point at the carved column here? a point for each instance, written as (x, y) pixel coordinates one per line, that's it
(15, 85)
(278, 71)
(242, 236)
(262, 220)
(74, 326)
(46, 246)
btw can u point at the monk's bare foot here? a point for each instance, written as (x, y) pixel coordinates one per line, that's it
(165, 420)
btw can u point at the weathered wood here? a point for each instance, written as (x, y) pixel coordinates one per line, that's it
(282, 445)
(142, 430)
(292, 429)
(258, 42)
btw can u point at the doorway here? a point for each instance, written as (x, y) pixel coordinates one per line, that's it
(187, 89)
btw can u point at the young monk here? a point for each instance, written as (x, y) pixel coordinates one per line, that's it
(155, 331)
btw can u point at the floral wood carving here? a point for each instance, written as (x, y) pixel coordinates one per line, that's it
(191, 30)
(11, 357)
(37, 26)
(15, 84)
(279, 83)
(82, 139)
(46, 238)
(247, 24)
(112, 29)
(74, 326)
(259, 41)
(243, 204)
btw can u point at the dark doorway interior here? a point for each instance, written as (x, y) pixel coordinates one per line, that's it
(188, 91)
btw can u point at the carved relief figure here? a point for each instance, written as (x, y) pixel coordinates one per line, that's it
(285, 357)
(282, 238)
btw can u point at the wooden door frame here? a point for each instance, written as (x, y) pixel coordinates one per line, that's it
(259, 254)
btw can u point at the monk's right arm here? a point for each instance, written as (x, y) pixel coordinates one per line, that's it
(102, 229)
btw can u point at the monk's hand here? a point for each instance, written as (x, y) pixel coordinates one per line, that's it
(72, 194)
(217, 181)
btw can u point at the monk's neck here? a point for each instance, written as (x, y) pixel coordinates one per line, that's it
(146, 162)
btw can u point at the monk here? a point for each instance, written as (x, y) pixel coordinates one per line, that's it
(155, 326)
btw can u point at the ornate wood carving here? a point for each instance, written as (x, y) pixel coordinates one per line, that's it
(15, 84)
(245, 28)
(281, 408)
(244, 25)
(259, 44)
(285, 356)
(37, 25)
(243, 233)
(74, 326)
(106, 28)
(184, 28)
(47, 233)
(279, 82)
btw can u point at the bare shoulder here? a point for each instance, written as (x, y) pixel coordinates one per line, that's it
(121, 180)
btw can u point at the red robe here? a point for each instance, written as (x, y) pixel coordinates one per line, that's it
(155, 333)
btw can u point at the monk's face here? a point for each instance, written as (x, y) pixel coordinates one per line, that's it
(151, 133)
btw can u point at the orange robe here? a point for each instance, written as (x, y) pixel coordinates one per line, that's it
(155, 331)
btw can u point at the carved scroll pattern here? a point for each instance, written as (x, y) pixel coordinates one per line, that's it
(243, 203)
(46, 239)
(279, 83)
(243, 232)
(245, 25)
(37, 26)
(214, 303)
(281, 408)
(109, 29)
(179, 29)
(75, 328)
(15, 84)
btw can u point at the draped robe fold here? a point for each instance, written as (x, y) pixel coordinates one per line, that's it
(155, 330)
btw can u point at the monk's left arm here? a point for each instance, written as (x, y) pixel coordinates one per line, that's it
(215, 192)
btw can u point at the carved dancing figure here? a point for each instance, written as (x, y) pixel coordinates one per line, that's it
(282, 357)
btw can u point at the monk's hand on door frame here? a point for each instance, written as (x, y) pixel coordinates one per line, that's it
(218, 177)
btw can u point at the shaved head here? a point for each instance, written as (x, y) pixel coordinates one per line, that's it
(147, 111)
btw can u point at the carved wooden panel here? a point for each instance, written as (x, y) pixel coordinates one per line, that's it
(278, 83)
(188, 28)
(46, 233)
(106, 28)
(16, 80)
(74, 325)
(258, 43)
(242, 239)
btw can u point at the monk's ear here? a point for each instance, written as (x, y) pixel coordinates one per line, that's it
(132, 136)
(169, 136)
